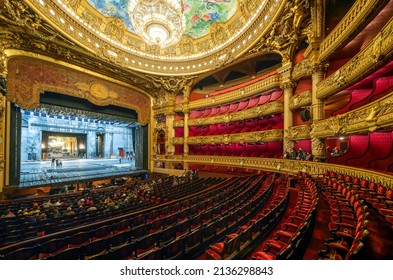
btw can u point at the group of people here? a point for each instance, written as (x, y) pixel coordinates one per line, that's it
(56, 162)
(187, 176)
(300, 154)
(334, 152)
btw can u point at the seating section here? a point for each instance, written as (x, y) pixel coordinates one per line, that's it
(288, 242)
(169, 230)
(374, 151)
(348, 225)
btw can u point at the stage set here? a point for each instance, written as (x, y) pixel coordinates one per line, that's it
(78, 142)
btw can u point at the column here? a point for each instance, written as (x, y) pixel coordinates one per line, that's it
(186, 132)
(185, 137)
(288, 87)
(169, 147)
(318, 113)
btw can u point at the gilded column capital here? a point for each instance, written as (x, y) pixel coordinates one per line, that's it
(288, 84)
(318, 147)
(320, 67)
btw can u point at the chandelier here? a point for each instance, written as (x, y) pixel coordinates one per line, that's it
(158, 22)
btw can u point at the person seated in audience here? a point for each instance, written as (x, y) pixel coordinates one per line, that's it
(92, 207)
(7, 214)
(300, 154)
(69, 212)
(308, 156)
(47, 204)
(335, 152)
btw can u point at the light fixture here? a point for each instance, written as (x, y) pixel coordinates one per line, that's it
(158, 22)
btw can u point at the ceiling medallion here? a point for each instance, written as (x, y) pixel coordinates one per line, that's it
(158, 22)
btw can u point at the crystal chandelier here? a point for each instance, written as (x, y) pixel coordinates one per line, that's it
(158, 22)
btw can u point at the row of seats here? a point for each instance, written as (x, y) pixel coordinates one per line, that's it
(287, 241)
(243, 126)
(259, 149)
(348, 224)
(375, 195)
(156, 224)
(236, 106)
(373, 150)
(245, 237)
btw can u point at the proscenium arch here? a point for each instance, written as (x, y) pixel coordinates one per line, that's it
(29, 77)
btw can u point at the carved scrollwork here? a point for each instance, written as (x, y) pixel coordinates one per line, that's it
(300, 100)
(248, 137)
(360, 65)
(299, 132)
(285, 33)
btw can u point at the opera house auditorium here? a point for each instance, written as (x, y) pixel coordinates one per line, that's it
(196, 130)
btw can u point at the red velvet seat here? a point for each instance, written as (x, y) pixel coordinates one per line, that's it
(222, 250)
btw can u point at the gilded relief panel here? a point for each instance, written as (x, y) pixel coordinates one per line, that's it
(29, 77)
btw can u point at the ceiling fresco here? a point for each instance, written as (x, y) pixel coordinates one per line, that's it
(199, 14)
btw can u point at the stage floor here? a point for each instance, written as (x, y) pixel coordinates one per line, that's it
(39, 173)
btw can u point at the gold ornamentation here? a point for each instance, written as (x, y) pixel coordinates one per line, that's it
(300, 100)
(248, 91)
(287, 166)
(96, 29)
(318, 147)
(374, 116)
(360, 10)
(299, 132)
(285, 33)
(178, 123)
(247, 137)
(360, 65)
(18, 13)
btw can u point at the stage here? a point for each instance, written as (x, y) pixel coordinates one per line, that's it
(42, 173)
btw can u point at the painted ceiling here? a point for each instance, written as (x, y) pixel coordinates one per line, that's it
(199, 14)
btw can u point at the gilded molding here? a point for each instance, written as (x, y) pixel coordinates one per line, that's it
(29, 77)
(374, 116)
(178, 123)
(360, 10)
(109, 39)
(177, 141)
(247, 91)
(300, 100)
(377, 51)
(248, 137)
(303, 69)
(299, 132)
(287, 30)
(287, 166)
(259, 111)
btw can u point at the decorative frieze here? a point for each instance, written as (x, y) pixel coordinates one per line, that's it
(178, 123)
(287, 166)
(302, 69)
(248, 137)
(377, 115)
(377, 51)
(300, 100)
(247, 91)
(360, 10)
(299, 132)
